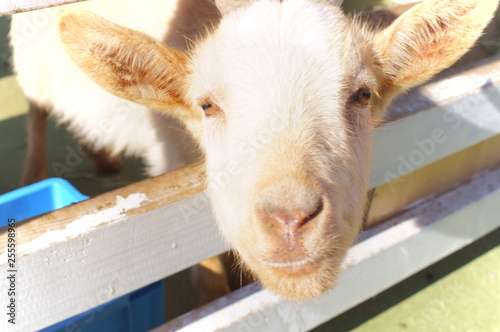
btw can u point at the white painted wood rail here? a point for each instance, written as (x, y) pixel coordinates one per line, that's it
(8, 7)
(459, 112)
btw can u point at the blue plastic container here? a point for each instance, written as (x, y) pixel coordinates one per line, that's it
(41, 197)
(138, 311)
(141, 310)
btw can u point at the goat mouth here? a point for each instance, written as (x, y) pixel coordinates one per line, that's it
(302, 266)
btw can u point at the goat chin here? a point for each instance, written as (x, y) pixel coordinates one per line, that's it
(298, 282)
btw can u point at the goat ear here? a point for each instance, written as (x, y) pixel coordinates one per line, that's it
(430, 37)
(127, 63)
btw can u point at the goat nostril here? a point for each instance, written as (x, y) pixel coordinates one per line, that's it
(289, 221)
(315, 213)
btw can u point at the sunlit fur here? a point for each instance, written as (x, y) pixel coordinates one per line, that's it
(293, 90)
(97, 118)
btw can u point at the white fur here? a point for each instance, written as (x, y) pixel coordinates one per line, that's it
(287, 131)
(49, 77)
(258, 116)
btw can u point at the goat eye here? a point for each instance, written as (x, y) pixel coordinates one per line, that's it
(367, 94)
(363, 95)
(210, 109)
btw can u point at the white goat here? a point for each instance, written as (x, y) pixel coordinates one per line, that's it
(282, 97)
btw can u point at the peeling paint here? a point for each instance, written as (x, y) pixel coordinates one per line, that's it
(83, 224)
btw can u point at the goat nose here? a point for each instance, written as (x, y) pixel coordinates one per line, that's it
(289, 220)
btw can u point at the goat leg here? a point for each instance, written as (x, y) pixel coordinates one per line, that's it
(35, 160)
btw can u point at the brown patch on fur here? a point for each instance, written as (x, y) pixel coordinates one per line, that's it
(193, 20)
(369, 199)
(104, 162)
(35, 160)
